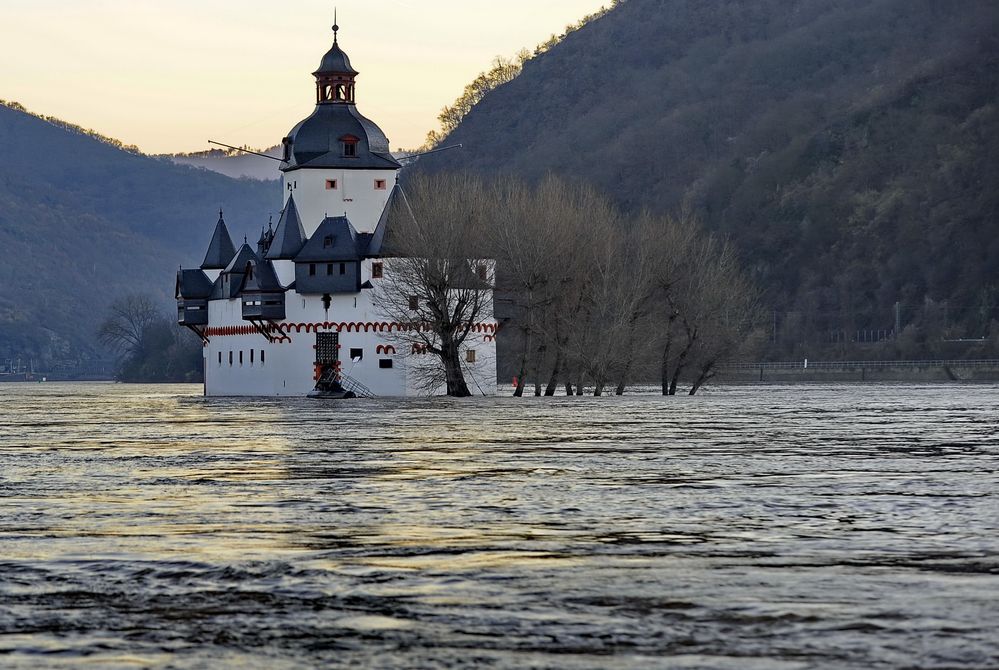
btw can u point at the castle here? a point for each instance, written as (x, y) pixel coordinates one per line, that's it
(298, 310)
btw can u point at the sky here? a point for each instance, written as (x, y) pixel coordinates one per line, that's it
(167, 75)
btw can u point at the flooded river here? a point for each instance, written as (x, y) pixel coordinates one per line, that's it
(851, 526)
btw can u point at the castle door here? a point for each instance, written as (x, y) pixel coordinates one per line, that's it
(327, 348)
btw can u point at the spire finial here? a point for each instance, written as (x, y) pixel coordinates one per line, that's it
(220, 213)
(244, 239)
(336, 27)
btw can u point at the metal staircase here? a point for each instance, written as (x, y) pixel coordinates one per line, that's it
(331, 380)
(355, 387)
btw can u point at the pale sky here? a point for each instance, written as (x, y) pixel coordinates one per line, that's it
(167, 75)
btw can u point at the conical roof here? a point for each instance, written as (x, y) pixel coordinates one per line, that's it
(220, 249)
(262, 279)
(377, 242)
(335, 239)
(289, 236)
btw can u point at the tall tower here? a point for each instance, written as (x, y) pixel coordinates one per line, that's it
(337, 162)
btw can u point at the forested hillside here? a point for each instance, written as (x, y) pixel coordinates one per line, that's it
(83, 222)
(850, 149)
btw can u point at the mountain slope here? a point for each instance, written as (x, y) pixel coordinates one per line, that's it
(82, 222)
(231, 163)
(849, 148)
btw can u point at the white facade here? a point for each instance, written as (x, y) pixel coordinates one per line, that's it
(240, 361)
(360, 195)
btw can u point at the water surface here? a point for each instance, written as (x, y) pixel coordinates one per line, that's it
(849, 526)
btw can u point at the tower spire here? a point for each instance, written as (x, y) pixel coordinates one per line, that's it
(336, 27)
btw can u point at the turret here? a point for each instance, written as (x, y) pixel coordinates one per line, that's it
(337, 161)
(220, 250)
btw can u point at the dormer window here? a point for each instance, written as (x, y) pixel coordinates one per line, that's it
(328, 242)
(349, 145)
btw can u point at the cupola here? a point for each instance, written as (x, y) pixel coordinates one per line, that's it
(335, 76)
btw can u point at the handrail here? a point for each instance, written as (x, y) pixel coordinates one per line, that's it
(833, 365)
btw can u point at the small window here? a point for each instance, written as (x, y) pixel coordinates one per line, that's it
(379, 184)
(343, 268)
(249, 271)
(220, 358)
(470, 356)
(230, 359)
(356, 353)
(241, 357)
(312, 269)
(414, 302)
(376, 270)
(329, 268)
(349, 149)
(384, 363)
(327, 241)
(331, 184)
(483, 272)
(251, 356)
(261, 356)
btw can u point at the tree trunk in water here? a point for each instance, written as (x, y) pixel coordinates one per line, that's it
(664, 371)
(568, 387)
(681, 363)
(536, 372)
(598, 389)
(553, 379)
(453, 376)
(579, 385)
(624, 376)
(707, 372)
(519, 391)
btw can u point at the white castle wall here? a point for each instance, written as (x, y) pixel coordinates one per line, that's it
(355, 195)
(287, 368)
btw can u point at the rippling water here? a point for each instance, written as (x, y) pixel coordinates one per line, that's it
(749, 527)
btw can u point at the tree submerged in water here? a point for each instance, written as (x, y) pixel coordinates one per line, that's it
(150, 346)
(585, 296)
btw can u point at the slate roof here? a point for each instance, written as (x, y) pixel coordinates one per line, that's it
(264, 279)
(315, 141)
(345, 244)
(335, 62)
(232, 277)
(220, 249)
(377, 242)
(289, 236)
(192, 285)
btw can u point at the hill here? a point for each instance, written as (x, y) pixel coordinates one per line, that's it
(232, 163)
(850, 149)
(83, 221)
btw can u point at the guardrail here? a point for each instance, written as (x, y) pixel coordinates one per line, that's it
(355, 387)
(856, 365)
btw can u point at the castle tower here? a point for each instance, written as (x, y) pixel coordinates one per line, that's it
(336, 161)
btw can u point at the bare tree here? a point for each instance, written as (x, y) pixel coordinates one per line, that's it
(707, 309)
(436, 281)
(727, 308)
(128, 318)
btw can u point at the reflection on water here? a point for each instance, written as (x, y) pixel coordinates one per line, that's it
(767, 527)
